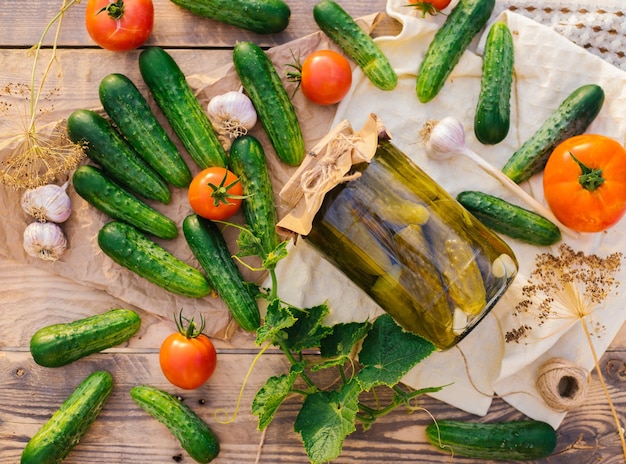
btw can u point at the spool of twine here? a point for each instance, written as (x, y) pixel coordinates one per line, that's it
(562, 384)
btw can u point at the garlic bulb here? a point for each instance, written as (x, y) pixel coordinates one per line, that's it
(48, 203)
(232, 113)
(44, 240)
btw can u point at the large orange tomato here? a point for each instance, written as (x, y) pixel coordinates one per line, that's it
(326, 77)
(187, 357)
(119, 25)
(584, 182)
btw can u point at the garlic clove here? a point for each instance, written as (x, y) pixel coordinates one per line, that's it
(47, 203)
(44, 240)
(232, 113)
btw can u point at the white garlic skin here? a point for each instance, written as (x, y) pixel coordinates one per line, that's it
(48, 203)
(44, 240)
(233, 112)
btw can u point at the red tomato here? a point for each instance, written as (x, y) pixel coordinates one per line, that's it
(119, 25)
(325, 77)
(215, 193)
(430, 6)
(187, 357)
(584, 182)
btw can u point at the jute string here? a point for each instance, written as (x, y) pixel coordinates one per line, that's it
(562, 384)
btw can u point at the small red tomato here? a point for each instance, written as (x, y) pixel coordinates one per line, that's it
(325, 77)
(187, 357)
(215, 193)
(119, 25)
(431, 7)
(584, 182)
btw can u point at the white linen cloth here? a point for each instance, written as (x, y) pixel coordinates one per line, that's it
(548, 67)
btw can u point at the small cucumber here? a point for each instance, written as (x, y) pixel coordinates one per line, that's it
(98, 190)
(209, 247)
(465, 20)
(190, 430)
(67, 426)
(172, 92)
(247, 161)
(509, 219)
(260, 16)
(106, 147)
(571, 118)
(60, 344)
(342, 29)
(274, 108)
(522, 440)
(493, 110)
(128, 247)
(132, 115)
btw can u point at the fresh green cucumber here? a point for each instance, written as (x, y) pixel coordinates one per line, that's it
(509, 219)
(247, 161)
(273, 106)
(522, 440)
(56, 438)
(260, 16)
(128, 247)
(571, 118)
(172, 92)
(60, 344)
(194, 435)
(134, 118)
(106, 147)
(106, 195)
(209, 247)
(465, 20)
(342, 29)
(493, 110)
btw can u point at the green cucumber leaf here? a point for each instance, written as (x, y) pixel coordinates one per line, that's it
(277, 318)
(389, 352)
(278, 253)
(338, 346)
(308, 330)
(326, 419)
(271, 395)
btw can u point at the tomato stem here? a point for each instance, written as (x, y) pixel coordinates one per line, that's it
(192, 330)
(590, 179)
(426, 8)
(221, 192)
(114, 10)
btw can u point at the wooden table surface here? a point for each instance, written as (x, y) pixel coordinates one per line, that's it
(123, 433)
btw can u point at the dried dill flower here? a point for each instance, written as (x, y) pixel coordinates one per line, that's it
(36, 155)
(571, 285)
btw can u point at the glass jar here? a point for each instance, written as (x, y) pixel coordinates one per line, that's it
(413, 248)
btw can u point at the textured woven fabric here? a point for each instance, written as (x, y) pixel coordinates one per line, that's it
(599, 29)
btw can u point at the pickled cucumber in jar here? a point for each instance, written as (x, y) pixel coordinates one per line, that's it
(412, 248)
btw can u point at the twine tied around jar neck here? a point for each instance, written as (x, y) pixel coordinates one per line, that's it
(562, 384)
(327, 165)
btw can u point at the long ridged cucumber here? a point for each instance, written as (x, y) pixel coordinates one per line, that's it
(107, 148)
(134, 118)
(128, 247)
(247, 161)
(465, 20)
(56, 438)
(260, 16)
(209, 247)
(509, 219)
(571, 118)
(172, 92)
(493, 110)
(274, 108)
(523, 440)
(60, 344)
(192, 432)
(342, 29)
(98, 190)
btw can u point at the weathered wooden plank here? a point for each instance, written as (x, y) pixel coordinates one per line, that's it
(173, 26)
